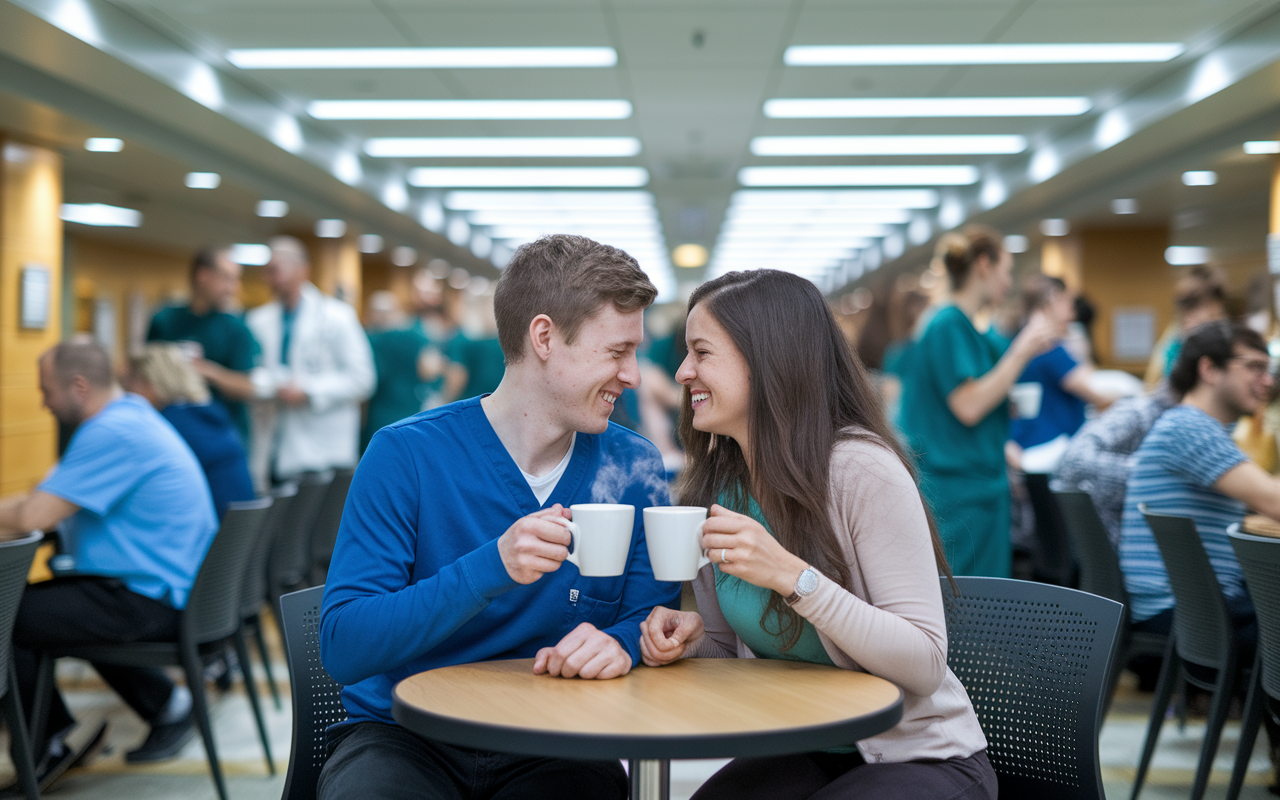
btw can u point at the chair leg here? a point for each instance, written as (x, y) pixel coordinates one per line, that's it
(242, 652)
(11, 706)
(194, 670)
(1253, 712)
(1170, 674)
(43, 699)
(1222, 691)
(266, 660)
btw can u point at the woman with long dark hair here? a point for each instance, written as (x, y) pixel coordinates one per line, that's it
(821, 546)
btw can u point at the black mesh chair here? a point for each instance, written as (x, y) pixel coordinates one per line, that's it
(317, 698)
(254, 593)
(209, 621)
(1100, 574)
(1203, 637)
(1259, 557)
(1052, 559)
(15, 563)
(325, 532)
(1034, 659)
(289, 566)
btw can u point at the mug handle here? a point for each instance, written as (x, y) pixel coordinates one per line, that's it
(575, 536)
(706, 559)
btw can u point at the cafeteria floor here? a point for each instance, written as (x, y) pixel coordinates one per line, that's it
(187, 776)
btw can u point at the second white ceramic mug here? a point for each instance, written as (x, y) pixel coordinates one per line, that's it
(601, 538)
(674, 537)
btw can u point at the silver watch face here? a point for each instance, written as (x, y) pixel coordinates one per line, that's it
(807, 582)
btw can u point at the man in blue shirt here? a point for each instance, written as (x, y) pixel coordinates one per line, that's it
(451, 550)
(136, 518)
(1189, 466)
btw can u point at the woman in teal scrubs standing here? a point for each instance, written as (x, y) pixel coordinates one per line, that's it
(955, 410)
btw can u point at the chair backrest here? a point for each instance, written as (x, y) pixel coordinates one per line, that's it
(213, 608)
(254, 592)
(317, 698)
(290, 561)
(1099, 563)
(1034, 659)
(15, 563)
(1052, 558)
(1259, 557)
(329, 517)
(1201, 623)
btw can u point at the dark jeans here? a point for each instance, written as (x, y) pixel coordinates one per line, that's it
(834, 776)
(373, 759)
(87, 610)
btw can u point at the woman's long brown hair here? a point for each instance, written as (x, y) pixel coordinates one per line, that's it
(807, 392)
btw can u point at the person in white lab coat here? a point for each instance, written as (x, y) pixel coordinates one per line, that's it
(316, 370)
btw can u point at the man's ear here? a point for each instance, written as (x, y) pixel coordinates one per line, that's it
(541, 329)
(1208, 371)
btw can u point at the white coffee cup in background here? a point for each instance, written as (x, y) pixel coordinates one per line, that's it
(674, 537)
(1026, 399)
(601, 538)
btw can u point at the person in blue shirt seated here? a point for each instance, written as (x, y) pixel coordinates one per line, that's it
(136, 518)
(451, 549)
(164, 375)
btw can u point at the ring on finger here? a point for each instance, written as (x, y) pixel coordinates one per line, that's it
(724, 558)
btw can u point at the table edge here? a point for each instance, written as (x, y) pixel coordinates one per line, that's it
(559, 744)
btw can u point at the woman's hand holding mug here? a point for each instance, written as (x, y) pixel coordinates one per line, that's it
(741, 547)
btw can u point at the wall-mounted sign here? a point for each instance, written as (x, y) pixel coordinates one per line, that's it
(1133, 333)
(34, 297)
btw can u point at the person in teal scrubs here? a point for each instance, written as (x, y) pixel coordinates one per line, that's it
(821, 548)
(955, 410)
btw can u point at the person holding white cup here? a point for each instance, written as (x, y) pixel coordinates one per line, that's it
(820, 544)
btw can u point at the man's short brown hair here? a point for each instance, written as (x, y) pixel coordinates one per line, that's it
(567, 278)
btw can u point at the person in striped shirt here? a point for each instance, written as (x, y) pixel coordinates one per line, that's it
(1189, 466)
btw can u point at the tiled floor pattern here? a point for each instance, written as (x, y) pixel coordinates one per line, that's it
(247, 779)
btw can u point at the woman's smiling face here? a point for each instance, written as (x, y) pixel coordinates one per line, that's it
(716, 376)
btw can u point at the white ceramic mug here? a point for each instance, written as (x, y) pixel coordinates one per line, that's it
(1026, 399)
(674, 537)
(601, 538)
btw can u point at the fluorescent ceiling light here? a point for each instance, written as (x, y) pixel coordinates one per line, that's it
(101, 215)
(422, 57)
(503, 147)
(1252, 148)
(103, 144)
(924, 54)
(950, 175)
(272, 208)
(646, 216)
(840, 216)
(1186, 256)
(469, 109)
(1124, 205)
(1055, 227)
(843, 108)
(369, 243)
(533, 232)
(203, 180)
(1016, 243)
(546, 201)
(749, 230)
(886, 145)
(797, 199)
(330, 228)
(1200, 177)
(528, 176)
(251, 255)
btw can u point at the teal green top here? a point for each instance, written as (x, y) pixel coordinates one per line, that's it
(400, 392)
(225, 339)
(483, 360)
(743, 604)
(1171, 354)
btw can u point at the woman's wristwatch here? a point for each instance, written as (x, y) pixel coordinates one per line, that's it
(805, 585)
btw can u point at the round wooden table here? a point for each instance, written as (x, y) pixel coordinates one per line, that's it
(695, 708)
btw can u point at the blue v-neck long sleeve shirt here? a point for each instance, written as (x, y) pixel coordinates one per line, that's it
(416, 581)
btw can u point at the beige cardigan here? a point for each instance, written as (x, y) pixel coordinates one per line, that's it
(892, 624)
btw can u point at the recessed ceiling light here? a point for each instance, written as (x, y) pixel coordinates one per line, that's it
(469, 109)
(1055, 227)
(1186, 256)
(404, 256)
(251, 255)
(203, 180)
(885, 145)
(272, 208)
(889, 107)
(422, 57)
(558, 200)
(797, 199)
(102, 144)
(528, 176)
(369, 243)
(331, 228)
(920, 54)
(1200, 177)
(1016, 243)
(1124, 205)
(689, 256)
(950, 175)
(504, 147)
(1261, 148)
(100, 215)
